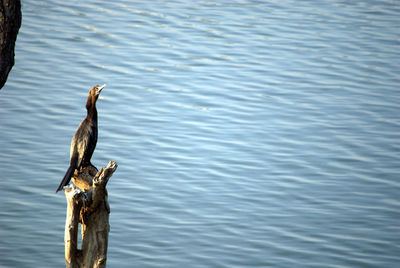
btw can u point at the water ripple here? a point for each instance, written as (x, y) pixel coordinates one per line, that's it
(248, 134)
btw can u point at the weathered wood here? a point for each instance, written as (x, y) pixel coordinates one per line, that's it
(90, 208)
(10, 21)
(74, 205)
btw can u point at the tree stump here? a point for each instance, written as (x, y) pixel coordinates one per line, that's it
(10, 21)
(89, 207)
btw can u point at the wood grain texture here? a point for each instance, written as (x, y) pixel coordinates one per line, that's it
(89, 208)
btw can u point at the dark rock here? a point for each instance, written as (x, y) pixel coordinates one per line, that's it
(10, 21)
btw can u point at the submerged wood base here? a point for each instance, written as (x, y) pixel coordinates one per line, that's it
(89, 207)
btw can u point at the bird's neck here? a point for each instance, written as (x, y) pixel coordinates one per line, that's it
(91, 108)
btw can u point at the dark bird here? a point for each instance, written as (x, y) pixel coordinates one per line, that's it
(85, 138)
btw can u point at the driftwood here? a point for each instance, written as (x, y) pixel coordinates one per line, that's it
(10, 21)
(89, 207)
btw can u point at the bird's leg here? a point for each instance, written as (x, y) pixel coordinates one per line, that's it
(93, 167)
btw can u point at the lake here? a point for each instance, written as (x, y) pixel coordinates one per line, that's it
(247, 133)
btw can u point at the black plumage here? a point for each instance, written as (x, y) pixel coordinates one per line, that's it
(85, 138)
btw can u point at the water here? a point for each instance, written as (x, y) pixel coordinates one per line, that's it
(247, 134)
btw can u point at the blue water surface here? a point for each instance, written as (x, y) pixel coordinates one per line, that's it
(247, 133)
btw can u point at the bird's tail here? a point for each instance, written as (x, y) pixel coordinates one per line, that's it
(67, 178)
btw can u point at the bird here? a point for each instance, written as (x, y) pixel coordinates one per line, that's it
(84, 140)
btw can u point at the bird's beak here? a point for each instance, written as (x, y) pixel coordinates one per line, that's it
(100, 88)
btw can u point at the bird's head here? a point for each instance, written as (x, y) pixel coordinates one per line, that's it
(95, 91)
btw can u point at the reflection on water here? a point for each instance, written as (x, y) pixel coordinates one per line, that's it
(247, 134)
